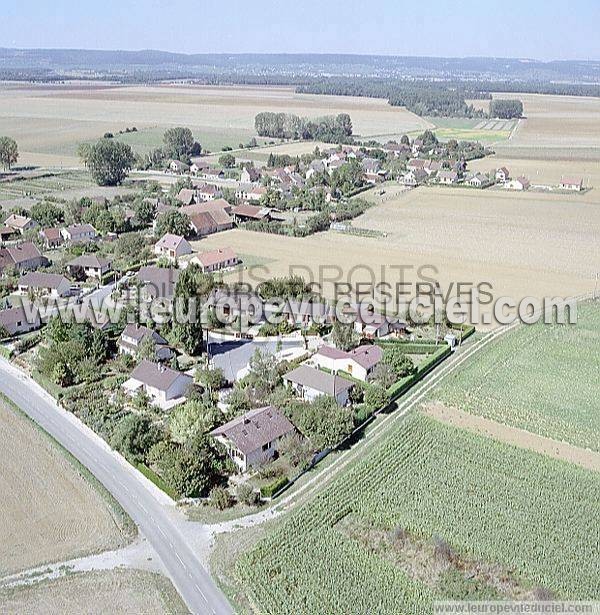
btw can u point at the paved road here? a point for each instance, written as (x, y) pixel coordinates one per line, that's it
(155, 519)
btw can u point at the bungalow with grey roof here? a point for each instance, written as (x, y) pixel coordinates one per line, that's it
(309, 383)
(359, 362)
(134, 335)
(79, 233)
(89, 266)
(17, 320)
(44, 284)
(22, 257)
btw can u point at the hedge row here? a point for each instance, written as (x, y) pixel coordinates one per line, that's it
(267, 491)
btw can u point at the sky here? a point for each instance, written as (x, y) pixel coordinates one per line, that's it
(538, 29)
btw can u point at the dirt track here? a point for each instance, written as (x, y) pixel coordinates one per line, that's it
(517, 437)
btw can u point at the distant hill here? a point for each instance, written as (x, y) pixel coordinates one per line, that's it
(291, 68)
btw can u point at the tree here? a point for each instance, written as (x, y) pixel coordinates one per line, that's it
(296, 449)
(179, 142)
(109, 162)
(147, 349)
(506, 108)
(401, 364)
(227, 161)
(174, 222)
(145, 211)
(191, 419)
(384, 375)
(9, 152)
(263, 375)
(220, 498)
(133, 436)
(343, 336)
(210, 379)
(247, 495)
(376, 397)
(47, 214)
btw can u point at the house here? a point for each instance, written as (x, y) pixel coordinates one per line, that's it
(502, 174)
(447, 177)
(249, 175)
(372, 324)
(44, 284)
(22, 257)
(198, 166)
(172, 246)
(187, 196)
(177, 166)
(89, 266)
(133, 336)
(249, 192)
(520, 183)
(431, 167)
(574, 184)
(51, 238)
(306, 313)
(359, 362)
(215, 260)
(417, 146)
(247, 212)
(164, 386)
(254, 438)
(413, 177)
(79, 233)
(309, 383)
(207, 192)
(20, 224)
(158, 282)
(212, 173)
(17, 320)
(397, 149)
(415, 163)
(477, 180)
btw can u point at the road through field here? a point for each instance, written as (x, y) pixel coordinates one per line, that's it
(156, 520)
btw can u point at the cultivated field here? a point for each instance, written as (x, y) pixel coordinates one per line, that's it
(433, 512)
(118, 592)
(49, 121)
(541, 378)
(517, 242)
(49, 511)
(555, 127)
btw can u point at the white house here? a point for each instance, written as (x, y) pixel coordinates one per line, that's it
(309, 383)
(359, 362)
(215, 260)
(44, 284)
(571, 183)
(172, 246)
(447, 177)
(164, 386)
(16, 320)
(79, 233)
(520, 183)
(254, 438)
(20, 224)
(502, 174)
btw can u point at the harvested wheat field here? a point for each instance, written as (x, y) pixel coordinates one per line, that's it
(554, 127)
(517, 242)
(51, 121)
(49, 511)
(116, 592)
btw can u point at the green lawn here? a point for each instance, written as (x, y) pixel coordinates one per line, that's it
(542, 378)
(534, 518)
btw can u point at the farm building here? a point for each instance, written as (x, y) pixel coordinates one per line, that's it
(502, 174)
(245, 213)
(254, 438)
(520, 183)
(177, 166)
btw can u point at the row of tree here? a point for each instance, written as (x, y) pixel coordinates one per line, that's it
(330, 128)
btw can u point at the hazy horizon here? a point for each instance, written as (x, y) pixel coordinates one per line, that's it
(538, 30)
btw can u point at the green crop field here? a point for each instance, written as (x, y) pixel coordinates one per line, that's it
(542, 378)
(533, 518)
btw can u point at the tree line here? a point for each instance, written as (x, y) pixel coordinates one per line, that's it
(330, 128)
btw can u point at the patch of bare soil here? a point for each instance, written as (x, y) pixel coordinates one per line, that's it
(512, 435)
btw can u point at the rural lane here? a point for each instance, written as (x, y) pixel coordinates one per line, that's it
(156, 520)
